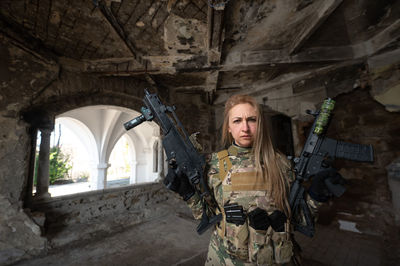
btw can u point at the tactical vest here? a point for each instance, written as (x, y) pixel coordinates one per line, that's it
(242, 185)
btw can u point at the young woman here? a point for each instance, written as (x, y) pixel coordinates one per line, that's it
(250, 182)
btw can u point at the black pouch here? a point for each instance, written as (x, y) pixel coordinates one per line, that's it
(258, 219)
(235, 214)
(277, 220)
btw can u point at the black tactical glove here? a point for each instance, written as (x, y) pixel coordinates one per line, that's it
(259, 219)
(179, 183)
(325, 184)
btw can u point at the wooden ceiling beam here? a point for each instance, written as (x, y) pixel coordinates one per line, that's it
(274, 57)
(246, 60)
(313, 22)
(380, 41)
(18, 36)
(277, 83)
(112, 20)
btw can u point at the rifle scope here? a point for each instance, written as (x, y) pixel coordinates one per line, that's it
(323, 117)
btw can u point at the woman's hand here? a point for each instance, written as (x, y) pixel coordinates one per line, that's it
(326, 184)
(179, 183)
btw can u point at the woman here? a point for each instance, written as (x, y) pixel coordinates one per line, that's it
(250, 182)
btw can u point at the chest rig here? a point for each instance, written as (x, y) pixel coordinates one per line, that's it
(245, 186)
(241, 184)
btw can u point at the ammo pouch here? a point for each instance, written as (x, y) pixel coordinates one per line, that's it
(267, 247)
(283, 247)
(260, 247)
(236, 240)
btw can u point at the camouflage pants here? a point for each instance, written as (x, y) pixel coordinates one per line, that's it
(218, 256)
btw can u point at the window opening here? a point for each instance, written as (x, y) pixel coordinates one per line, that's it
(68, 159)
(118, 174)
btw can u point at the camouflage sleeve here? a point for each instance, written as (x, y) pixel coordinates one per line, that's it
(194, 202)
(313, 205)
(195, 205)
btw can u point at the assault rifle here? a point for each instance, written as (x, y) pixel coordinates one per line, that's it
(316, 156)
(179, 150)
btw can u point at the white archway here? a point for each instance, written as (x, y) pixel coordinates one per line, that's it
(100, 127)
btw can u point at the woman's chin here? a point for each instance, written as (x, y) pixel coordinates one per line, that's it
(245, 144)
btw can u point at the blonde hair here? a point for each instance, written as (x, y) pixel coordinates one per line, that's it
(267, 162)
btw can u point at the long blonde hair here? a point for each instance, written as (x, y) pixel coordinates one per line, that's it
(266, 161)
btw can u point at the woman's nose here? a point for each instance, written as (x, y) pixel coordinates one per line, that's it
(245, 126)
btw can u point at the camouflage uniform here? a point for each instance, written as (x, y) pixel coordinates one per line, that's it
(242, 245)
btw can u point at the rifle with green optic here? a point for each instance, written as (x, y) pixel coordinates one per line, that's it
(316, 156)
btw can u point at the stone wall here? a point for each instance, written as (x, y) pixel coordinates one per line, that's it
(21, 238)
(60, 222)
(34, 91)
(196, 116)
(394, 184)
(22, 76)
(87, 215)
(358, 118)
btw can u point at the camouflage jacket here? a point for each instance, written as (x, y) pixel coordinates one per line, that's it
(240, 185)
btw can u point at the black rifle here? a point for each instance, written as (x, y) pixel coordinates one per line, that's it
(180, 152)
(316, 156)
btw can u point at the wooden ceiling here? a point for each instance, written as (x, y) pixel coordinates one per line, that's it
(189, 45)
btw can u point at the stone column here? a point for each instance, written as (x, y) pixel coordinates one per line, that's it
(100, 176)
(132, 178)
(160, 166)
(43, 177)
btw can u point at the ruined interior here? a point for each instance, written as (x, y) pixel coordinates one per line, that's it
(57, 56)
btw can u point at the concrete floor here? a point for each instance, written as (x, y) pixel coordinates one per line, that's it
(174, 241)
(171, 241)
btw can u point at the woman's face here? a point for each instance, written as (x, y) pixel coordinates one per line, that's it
(243, 124)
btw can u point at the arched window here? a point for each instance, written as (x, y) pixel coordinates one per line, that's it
(94, 149)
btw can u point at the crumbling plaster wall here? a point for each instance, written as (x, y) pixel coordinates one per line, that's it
(22, 75)
(367, 113)
(33, 85)
(360, 119)
(20, 235)
(196, 116)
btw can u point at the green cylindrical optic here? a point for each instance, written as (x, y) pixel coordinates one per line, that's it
(323, 117)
